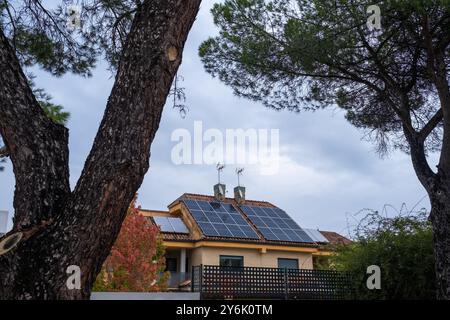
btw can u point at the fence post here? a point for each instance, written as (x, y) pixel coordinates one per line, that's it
(201, 281)
(286, 289)
(193, 278)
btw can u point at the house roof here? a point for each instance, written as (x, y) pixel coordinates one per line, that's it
(195, 196)
(172, 236)
(335, 238)
(261, 240)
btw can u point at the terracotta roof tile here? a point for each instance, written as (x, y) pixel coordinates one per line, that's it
(172, 236)
(194, 196)
(335, 238)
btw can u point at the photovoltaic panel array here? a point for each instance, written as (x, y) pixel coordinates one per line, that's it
(316, 235)
(171, 224)
(220, 219)
(275, 224)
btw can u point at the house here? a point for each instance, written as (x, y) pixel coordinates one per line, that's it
(3, 222)
(235, 232)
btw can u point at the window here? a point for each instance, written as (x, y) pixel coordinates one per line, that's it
(171, 264)
(232, 261)
(288, 263)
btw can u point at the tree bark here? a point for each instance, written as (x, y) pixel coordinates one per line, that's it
(437, 186)
(439, 189)
(440, 194)
(79, 228)
(440, 219)
(36, 145)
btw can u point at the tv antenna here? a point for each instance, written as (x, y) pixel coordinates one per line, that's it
(239, 173)
(219, 168)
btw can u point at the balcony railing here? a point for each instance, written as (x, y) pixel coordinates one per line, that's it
(216, 282)
(177, 278)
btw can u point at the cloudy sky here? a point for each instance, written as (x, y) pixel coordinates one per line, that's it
(326, 174)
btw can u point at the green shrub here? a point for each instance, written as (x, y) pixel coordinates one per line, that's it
(403, 249)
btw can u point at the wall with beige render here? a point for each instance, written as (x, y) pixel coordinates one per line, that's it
(252, 257)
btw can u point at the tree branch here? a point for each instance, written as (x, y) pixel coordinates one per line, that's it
(431, 125)
(437, 70)
(84, 230)
(37, 146)
(11, 18)
(423, 171)
(119, 158)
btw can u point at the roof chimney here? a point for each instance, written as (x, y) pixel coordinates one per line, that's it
(219, 191)
(219, 188)
(239, 192)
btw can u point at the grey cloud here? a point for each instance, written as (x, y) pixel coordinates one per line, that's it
(326, 172)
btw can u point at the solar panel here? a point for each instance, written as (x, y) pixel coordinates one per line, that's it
(275, 224)
(171, 224)
(178, 225)
(316, 235)
(220, 219)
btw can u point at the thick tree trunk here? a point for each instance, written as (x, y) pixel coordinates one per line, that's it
(60, 228)
(440, 219)
(36, 145)
(437, 186)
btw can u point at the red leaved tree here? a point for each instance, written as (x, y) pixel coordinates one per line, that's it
(136, 262)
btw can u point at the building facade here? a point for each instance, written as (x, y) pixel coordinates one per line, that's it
(235, 232)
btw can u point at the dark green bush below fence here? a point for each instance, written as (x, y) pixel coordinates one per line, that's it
(403, 249)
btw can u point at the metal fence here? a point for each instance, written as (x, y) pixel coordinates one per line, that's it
(217, 282)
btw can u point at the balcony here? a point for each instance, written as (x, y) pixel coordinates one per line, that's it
(178, 280)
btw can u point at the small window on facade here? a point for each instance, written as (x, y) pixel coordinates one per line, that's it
(171, 264)
(288, 263)
(232, 261)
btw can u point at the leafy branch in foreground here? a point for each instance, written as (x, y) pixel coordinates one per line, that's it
(178, 96)
(53, 111)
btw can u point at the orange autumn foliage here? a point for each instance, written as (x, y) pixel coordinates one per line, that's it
(136, 262)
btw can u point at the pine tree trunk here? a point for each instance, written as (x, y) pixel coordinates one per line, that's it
(440, 219)
(437, 186)
(60, 228)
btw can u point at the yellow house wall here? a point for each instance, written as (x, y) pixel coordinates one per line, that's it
(252, 257)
